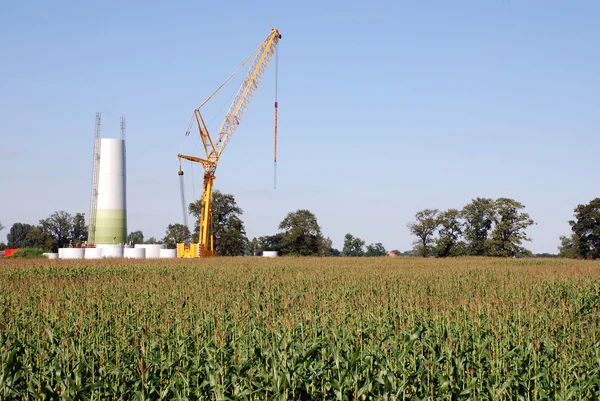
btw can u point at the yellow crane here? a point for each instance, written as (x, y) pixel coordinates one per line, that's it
(213, 148)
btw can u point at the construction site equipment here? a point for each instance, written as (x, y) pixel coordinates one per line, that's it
(213, 148)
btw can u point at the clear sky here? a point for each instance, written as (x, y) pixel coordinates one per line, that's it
(386, 108)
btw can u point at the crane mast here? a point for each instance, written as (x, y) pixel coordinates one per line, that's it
(214, 148)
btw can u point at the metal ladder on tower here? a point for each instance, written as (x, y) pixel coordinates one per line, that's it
(95, 173)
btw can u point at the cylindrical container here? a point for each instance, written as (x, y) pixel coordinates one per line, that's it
(111, 251)
(93, 253)
(152, 250)
(270, 254)
(134, 253)
(168, 253)
(72, 253)
(111, 216)
(60, 252)
(51, 255)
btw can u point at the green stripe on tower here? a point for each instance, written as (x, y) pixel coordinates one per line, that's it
(111, 226)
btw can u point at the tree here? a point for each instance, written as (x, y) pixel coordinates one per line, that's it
(450, 231)
(79, 232)
(135, 237)
(17, 235)
(270, 243)
(569, 246)
(302, 234)
(375, 250)
(353, 246)
(39, 237)
(424, 228)
(229, 232)
(478, 221)
(60, 226)
(1, 226)
(153, 240)
(509, 228)
(586, 229)
(176, 233)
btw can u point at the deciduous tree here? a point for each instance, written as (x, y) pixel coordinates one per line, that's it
(302, 234)
(510, 224)
(17, 235)
(176, 233)
(229, 232)
(353, 246)
(376, 249)
(569, 246)
(424, 229)
(478, 221)
(79, 233)
(449, 233)
(135, 237)
(586, 229)
(60, 226)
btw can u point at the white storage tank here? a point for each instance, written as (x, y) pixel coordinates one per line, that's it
(134, 253)
(60, 253)
(72, 253)
(111, 251)
(93, 253)
(152, 250)
(270, 254)
(168, 253)
(50, 255)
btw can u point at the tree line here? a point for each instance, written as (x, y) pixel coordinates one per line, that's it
(483, 227)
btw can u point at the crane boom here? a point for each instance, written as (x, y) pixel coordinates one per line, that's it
(214, 148)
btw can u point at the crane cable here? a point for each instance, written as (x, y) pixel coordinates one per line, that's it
(275, 133)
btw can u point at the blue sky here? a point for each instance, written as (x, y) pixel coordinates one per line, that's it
(386, 108)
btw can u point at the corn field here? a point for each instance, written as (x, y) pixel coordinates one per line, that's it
(300, 329)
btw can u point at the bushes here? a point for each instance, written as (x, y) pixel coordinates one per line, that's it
(28, 253)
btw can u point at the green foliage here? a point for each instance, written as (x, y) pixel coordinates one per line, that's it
(228, 228)
(424, 229)
(17, 235)
(478, 220)
(2, 246)
(79, 230)
(152, 240)
(135, 237)
(40, 238)
(269, 243)
(586, 229)
(1, 226)
(302, 234)
(509, 229)
(353, 246)
(28, 253)
(307, 329)
(449, 233)
(60, 226)
(176, 233)
(569, 246)
(376, 250)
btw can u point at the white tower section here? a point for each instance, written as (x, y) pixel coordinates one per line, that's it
(111, 213)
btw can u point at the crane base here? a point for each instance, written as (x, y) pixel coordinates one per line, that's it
(193, 250)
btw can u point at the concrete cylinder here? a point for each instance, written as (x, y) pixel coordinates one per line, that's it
(111, 216)
(93, 253)
(50, 255)
(168, 253)
(134, 253)
(270, 254)
(152, 250)
(111, 251)
(73, 253)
